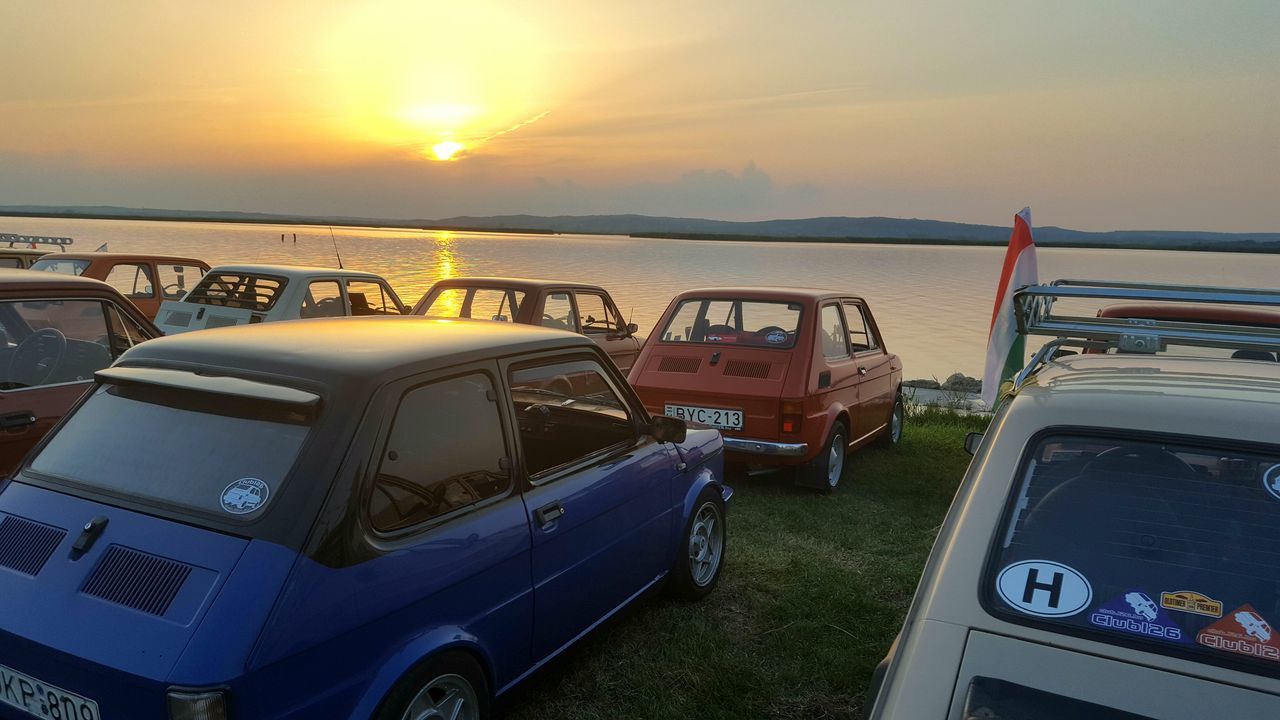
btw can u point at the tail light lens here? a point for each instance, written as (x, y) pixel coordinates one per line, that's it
(197, 704)
(792, 416)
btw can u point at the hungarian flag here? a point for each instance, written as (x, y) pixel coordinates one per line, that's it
(1006, 349)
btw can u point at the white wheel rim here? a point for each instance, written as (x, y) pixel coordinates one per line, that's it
(706, 544)
(835, 462)
(447, 697)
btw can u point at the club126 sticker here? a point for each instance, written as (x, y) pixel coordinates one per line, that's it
(1243, 631)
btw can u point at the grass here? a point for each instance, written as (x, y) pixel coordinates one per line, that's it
(814, 590)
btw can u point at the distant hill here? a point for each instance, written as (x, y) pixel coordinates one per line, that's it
(821, 229)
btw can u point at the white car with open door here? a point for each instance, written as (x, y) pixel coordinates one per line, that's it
(244, 294)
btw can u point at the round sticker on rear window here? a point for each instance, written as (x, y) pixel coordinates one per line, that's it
(777, 337)
(1271, 481)
(1044, 588)
(244, 496)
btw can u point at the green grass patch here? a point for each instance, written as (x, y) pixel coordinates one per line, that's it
(814, 591)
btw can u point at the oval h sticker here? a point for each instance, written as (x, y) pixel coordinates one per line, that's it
(1044, 588)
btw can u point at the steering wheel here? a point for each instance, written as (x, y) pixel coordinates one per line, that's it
(172, 290)
(1141, 458)
(561, 324)
(36, 357)
(770, 328)
(718, 330)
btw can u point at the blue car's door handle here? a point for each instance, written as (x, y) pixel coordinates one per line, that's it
(548, 514)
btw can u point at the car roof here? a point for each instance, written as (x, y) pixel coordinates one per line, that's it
(293, 272)
(32, 280)
(128, 257)
(1216, 397)
(346, 353)
(513, 282)
(765, 293)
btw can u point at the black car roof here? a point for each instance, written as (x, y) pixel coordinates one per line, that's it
(344, 353)
(513, 283)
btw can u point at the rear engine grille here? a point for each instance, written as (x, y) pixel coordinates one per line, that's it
(220, 321)
(672, 363)
(137, 580)
(178, 318)
(747, 368)
(25, 546)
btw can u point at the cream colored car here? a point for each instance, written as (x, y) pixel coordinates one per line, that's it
(1114, 549)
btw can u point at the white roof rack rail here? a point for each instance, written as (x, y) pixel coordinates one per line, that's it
(1035, 309)
(12, 239)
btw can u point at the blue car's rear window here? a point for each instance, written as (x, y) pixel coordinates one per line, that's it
(177, 450)
(1175, 546)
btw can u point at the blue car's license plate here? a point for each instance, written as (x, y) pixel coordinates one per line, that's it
(43, 700)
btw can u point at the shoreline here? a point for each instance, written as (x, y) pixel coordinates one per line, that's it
(221, 217)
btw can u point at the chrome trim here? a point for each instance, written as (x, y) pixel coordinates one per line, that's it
(765, 447)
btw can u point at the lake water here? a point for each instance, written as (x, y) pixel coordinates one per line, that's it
(933, 304)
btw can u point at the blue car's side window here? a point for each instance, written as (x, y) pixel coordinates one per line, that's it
(445, 452)
(567, 411)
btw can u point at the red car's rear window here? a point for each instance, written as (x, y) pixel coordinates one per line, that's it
(753, 323)
(1171, 545)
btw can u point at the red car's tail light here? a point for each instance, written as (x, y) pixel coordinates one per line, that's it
(792, 416)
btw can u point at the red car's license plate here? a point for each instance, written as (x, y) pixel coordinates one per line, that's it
(714, 417)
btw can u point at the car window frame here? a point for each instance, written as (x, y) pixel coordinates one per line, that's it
(848, 348)
(991, 566)
(635, 411)
(306, 293)
(393, 397)
(573, 307)
(106, 316)
(609, 309)
(141, 265)
(873, 333)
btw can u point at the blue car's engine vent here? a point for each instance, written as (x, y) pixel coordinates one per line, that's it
(137, 580)
(25, 546)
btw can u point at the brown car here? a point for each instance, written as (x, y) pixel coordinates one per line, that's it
(791, 376)
(577, 307)
(55, 333)
(147, 280)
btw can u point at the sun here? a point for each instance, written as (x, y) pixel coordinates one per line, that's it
(446, 150)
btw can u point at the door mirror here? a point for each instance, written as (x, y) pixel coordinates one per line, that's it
(624, 332)
(971, 442)
(667, 429)
(632, 329)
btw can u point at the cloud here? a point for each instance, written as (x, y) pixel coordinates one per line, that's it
(703, 193)
(397, 189)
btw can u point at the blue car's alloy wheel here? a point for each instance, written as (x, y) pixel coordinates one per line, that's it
(706, 544)
(446, 697)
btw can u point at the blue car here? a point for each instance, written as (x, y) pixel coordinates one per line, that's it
(387, 518)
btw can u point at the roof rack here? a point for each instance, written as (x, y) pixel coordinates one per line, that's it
(61, 242)
(1034, 307)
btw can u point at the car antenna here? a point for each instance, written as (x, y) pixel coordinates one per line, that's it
(335, 248)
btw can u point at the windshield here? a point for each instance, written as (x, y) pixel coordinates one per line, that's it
(66, 267)
(237, 290)
(739, 322)
(1172, 545)
(176, 449)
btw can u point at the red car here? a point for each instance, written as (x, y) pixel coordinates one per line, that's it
(147, 280)
(790, 376)
(56, 331)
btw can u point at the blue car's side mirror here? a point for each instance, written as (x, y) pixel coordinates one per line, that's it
(667, 429)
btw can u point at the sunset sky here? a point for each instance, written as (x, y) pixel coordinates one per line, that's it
(1099, 114)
